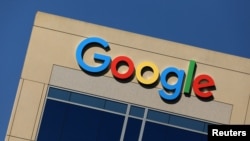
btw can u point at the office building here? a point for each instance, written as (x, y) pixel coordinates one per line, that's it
(86, 82)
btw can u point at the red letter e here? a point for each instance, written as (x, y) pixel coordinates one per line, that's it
(200, 85)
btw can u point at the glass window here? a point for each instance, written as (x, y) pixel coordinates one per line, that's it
(186, 122)
(133, 129)
(81, 124)
(52, 121)
(64, 121)
(206, 127)
(116, 106)
(158, 116)
(136, 111)
(87, 100)
(110, 128)
(86, 124)
(59, 94)
(154, 131)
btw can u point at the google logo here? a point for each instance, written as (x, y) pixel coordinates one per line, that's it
(200, 83)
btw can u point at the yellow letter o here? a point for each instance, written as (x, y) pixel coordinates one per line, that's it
(152, 79)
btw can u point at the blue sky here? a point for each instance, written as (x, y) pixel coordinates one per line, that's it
(219, 25)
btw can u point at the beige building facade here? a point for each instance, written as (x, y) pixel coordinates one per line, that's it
(51, 62)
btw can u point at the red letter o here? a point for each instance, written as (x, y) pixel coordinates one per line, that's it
(128, 62)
